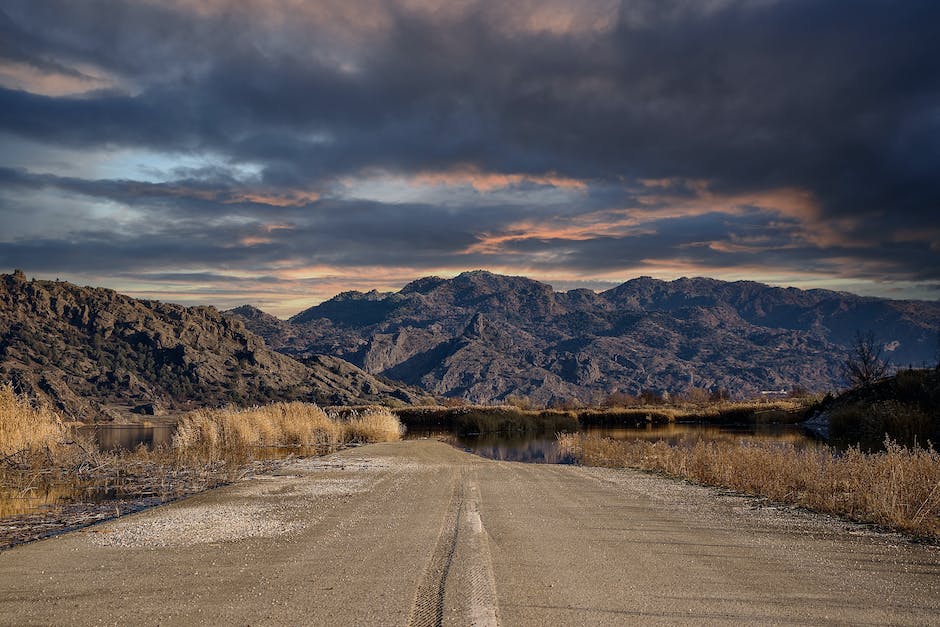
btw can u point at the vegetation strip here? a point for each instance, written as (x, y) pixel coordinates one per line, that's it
(475, 419)
(898, 488)
(39, 453)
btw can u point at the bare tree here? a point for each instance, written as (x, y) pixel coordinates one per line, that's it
(864, 364)
(937, 360)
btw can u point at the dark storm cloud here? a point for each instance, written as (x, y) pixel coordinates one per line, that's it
(836, 99)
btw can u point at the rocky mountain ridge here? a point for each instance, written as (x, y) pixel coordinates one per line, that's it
(96, 354)
(484, 336)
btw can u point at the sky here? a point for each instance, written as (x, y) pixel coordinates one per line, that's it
(277, 152)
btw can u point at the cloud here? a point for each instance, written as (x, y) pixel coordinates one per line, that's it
(596, 138)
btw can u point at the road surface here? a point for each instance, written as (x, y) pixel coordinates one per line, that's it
(419, 533)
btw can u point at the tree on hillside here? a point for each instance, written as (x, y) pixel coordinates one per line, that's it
(864, 364)
(937, 359)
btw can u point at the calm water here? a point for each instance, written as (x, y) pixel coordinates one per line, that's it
(129, 437)
(543, 449)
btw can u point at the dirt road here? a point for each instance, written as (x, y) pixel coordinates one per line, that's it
(420, 533)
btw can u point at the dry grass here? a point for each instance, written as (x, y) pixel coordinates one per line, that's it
(476, 419)
(221, 434)
(373, 425)
(214, 434)
(761, 411)
(897, 488)
(44, 464)
(26, 428)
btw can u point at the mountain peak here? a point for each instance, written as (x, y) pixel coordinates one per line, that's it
(423, 285)
(250, 312)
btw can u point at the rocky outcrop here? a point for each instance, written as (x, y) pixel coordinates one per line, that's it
(485, 336)
(94, 354)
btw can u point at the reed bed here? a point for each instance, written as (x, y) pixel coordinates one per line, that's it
(639, 415)
(373, 425)
(467, 419)
(776, 411)
(220, 434)
(53, 479)
(898, 487)
(26, 428)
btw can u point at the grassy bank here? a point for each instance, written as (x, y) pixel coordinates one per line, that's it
(470, 419)
(897, 488)
(777, 411)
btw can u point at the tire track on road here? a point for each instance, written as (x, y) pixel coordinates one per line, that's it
(458, 587)
(428, 609)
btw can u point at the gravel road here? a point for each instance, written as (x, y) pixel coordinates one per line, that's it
(419, 533)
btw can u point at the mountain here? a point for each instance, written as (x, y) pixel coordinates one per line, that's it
(485, 336)
(94, 353)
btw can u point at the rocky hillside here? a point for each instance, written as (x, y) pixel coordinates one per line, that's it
(96, 354)
(484, 336)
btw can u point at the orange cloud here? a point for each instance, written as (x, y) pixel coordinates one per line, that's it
(489, 181)
(26, 77)
(274, 199)
(789, 201)
(798, 204)
(262, 236)
(663, 201)
(254, 240)
(609, 223)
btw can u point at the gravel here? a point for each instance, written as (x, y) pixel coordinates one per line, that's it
(190, 525)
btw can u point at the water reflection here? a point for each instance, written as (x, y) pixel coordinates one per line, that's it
(53, 494)
(531, 449)
(130, 436)
(17, 502)
(674, 433)
(543, 449)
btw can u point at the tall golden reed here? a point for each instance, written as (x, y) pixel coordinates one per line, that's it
(898, 487)
(219, 434)
(25, 426)
(373, 425)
